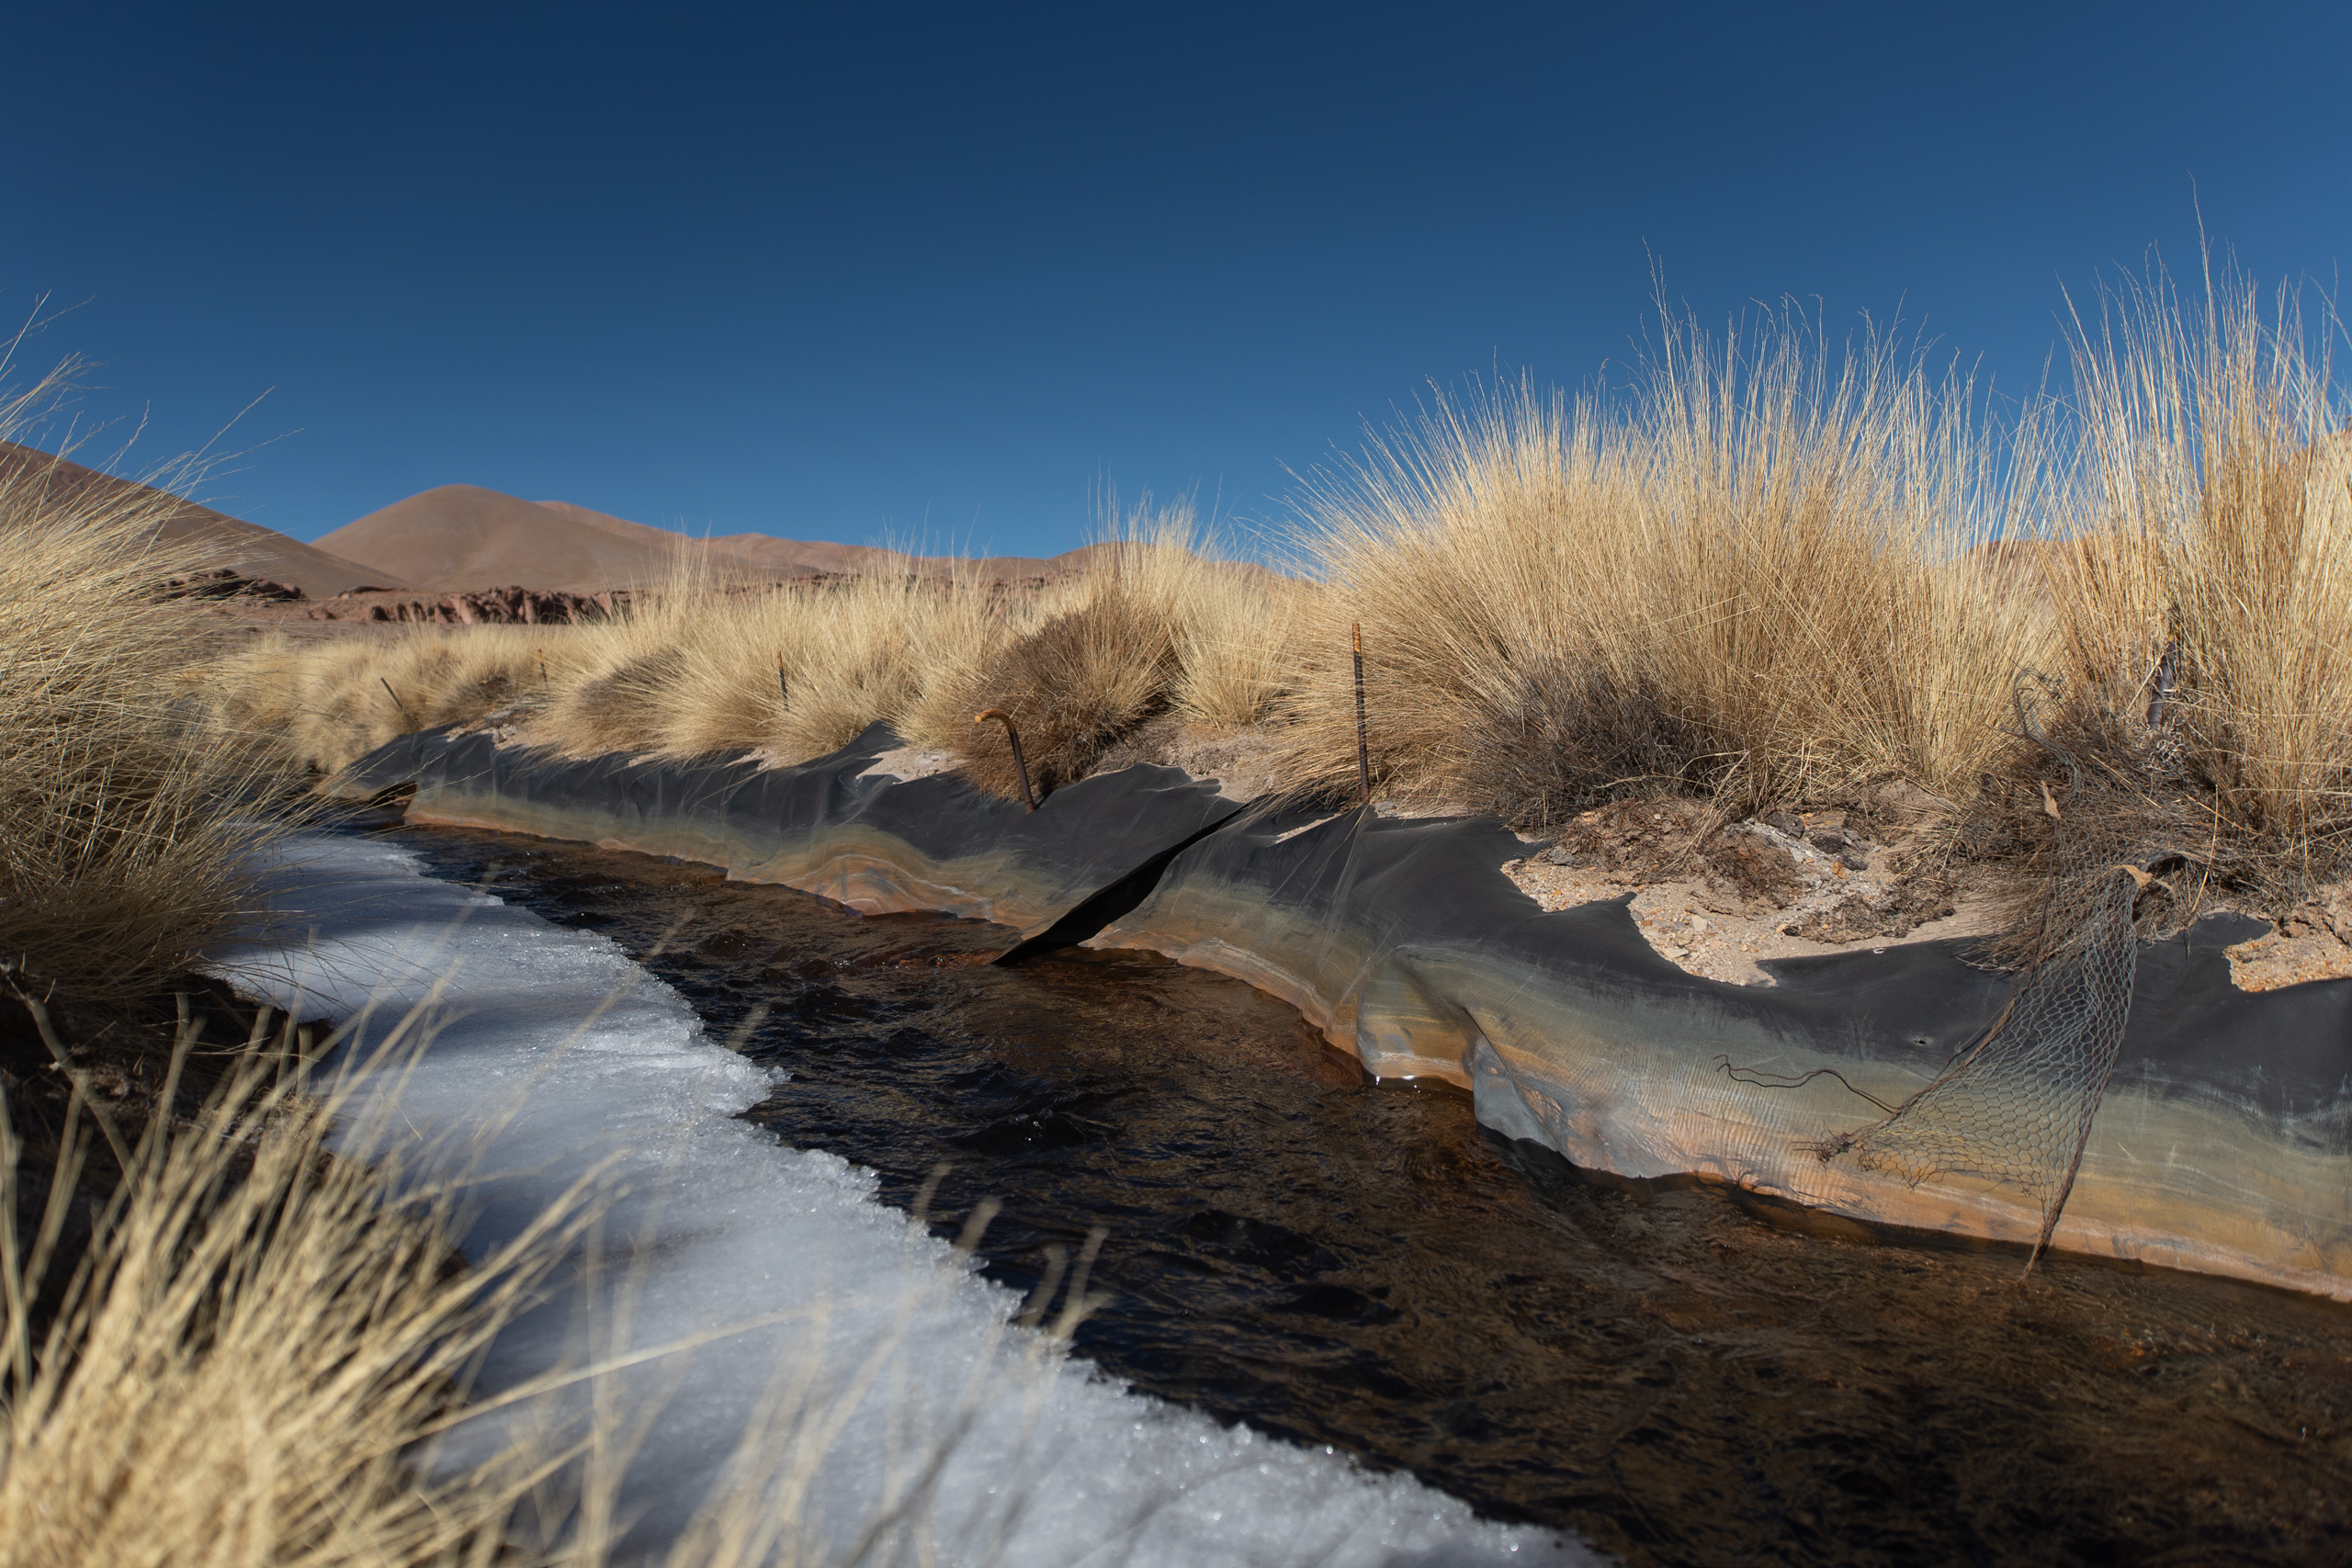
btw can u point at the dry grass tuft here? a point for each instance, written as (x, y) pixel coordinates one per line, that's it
(1729, 583)
(122, 842)
(217, 1343)
(1155, 626)
(791, 671)
(1077, 683)
(795, 670)
(2212, 554)
(244, 1361)
(325, 704)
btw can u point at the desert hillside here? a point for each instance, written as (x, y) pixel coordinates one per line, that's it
(244, 547)
(459, 538)
(456, 538)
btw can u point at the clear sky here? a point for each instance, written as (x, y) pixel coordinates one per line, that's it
(949, 271)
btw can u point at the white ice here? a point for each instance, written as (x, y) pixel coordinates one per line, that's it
(977, 1441)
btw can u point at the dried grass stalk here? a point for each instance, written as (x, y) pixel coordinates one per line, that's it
(123, 837)
(1739, 581)
(2212, 523)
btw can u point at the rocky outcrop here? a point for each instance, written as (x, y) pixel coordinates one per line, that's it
(225, 582)
(514, 605)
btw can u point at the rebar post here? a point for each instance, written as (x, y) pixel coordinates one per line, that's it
(405, 716)
(2163, 681)
(1020, 765)
(1364, 747)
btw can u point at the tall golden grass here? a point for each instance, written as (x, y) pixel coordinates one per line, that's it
(2212, 517)
(121, 840)
(1774, 568)
(322, 704)
(1153, 627)
(1156, 628)
(204, 1357)
(247, 1355)
(251, 1365)
(793, 671)
(1735, 581)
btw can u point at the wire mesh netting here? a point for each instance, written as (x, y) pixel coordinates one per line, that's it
(2016, 1105)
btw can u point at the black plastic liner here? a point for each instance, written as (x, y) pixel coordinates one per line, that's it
(2225, 1143)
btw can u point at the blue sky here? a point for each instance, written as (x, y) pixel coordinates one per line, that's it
(948, 272)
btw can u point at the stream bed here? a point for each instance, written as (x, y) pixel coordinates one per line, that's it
(1679, 1376)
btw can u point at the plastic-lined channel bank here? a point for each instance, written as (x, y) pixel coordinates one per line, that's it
(2223, 1142)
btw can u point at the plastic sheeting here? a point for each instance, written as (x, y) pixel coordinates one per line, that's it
(2225, 1143)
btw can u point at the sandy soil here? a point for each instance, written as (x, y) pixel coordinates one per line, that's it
(2313, 943)
(1694, 922)
(1689, 920)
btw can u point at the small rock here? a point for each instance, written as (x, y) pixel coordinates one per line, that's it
(1724, 899)
(505, 606)
(1890, 914)
(1757, 867)
(224, 583)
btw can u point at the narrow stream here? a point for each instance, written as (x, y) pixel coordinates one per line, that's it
(1674, 1375)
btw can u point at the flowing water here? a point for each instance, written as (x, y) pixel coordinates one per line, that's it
(1679, 1376)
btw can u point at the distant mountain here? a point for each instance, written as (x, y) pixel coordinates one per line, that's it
(462, 537)
(247, 549)
(456, 538)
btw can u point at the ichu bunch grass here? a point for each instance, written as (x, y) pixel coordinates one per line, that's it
(2204, 591)
(1735, 582)
(1772, 568)
(322, 706)
(241, 1367)
(1151, 627)
(259, 1355)
(124, 813)
(790, 671)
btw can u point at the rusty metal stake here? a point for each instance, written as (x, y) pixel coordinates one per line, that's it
(2162, 683)
(1028, 796)
(1363, 748)
(405, 717)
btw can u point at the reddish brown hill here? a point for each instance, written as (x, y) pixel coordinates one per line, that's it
(461, 537)
(226, 542)
(457, 538)
(800, 557)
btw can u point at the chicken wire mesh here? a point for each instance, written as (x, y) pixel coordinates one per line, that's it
(2016, 1105)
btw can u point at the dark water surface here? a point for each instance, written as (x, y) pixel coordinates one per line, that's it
(1677, 1377)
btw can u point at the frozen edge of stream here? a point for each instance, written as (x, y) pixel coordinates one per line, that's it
(553, 1053)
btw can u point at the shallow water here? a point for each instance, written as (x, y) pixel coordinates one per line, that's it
(1680, 1377)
